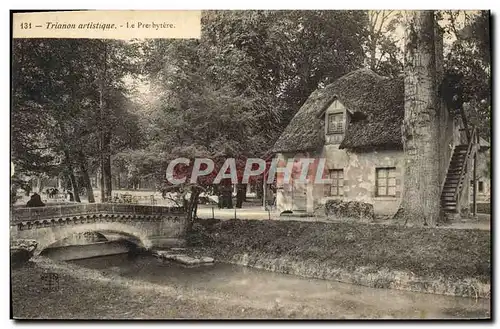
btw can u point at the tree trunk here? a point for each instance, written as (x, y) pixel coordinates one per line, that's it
(39, 184)
(72, 178)
(192, 208)
(421, 195)
(86, 177)
(240, 195)
(259, 190)
(74, 185)
(373, 51)
(101, 184)
(104, 147)
(107, 164)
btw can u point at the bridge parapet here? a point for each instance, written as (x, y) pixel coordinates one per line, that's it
(26, 214)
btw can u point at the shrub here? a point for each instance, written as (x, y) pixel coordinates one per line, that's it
(349, 210)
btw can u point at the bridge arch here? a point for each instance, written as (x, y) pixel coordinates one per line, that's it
(147, 224)
(47, 236)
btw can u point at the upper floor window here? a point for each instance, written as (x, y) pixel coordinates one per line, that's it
(386, 181)
(336, 123)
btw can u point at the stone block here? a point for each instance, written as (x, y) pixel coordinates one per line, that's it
(207, 260)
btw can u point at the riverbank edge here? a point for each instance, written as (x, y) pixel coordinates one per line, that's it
(363, 276)
(444, 262)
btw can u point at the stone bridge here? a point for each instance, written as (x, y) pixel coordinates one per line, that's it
(150, 225)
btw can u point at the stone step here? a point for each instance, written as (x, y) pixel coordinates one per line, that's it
(457, 172)
(163, 242)
(182, 258)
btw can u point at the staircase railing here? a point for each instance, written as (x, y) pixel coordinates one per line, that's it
(463, 170)
(443, 181)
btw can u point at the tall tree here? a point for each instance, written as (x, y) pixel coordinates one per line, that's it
(384, 54)
(57, 84)
(421, 194)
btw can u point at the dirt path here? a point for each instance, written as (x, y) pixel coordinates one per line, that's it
(258, 213)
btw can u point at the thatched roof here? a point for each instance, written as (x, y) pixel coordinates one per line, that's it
(377, 105)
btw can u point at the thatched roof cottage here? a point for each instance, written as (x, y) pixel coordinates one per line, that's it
(355, 124)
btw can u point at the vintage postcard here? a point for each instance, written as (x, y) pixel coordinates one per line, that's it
(250, 164)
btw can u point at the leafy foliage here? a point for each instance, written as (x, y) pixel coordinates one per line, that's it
(383, 38)
(468, 67)
(56, 96)
(232, 92)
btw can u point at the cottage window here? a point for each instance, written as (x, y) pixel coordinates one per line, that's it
(386, 181)
(337, 187)
(335, 123)
(480, 187)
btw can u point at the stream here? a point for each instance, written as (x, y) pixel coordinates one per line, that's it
(259, 286)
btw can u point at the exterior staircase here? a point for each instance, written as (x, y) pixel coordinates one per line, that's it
(455, 180)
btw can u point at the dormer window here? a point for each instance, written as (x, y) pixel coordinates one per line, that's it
(336, 120)
(336, 123)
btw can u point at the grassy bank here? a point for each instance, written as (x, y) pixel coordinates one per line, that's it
(445, 261)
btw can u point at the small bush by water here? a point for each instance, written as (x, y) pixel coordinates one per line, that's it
(349, 209)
